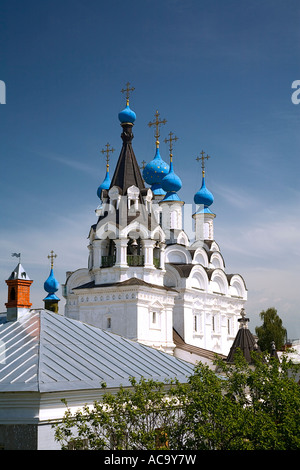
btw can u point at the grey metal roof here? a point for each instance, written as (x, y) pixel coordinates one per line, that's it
(19, 273)
(46, 352)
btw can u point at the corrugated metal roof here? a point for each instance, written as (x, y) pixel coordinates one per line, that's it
(45, 352)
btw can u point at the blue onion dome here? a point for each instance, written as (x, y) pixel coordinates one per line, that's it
(104, 185)
(203, 196)
(127, 115)
(156, 170)
(51, 285)
(171, 182)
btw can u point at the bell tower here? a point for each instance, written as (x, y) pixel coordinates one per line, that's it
(18, 302)
(127, 240)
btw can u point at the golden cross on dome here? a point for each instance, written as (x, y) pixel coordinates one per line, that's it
(127, 90)
(202, 158)
(107, 153)
(143, 165)
(52, 256)
(157, 123)
(171, 139)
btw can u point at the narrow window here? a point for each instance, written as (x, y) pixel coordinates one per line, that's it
(195, 323)
(108, 323)
(12, 294)
(154, 317)
(160, 218)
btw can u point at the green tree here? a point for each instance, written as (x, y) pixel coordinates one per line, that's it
(271, 330)
(139, 417)
(241, 407)
(270, 394)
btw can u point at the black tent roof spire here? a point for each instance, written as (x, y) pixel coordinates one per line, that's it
(244, 340)
(127, 172)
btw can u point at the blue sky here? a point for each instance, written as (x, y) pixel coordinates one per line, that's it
(219, 71)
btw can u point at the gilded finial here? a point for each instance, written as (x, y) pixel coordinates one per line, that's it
(157, 123)
(203, 158)
(127, 90)
(52, 256)
(107, 150)
(143, 165)
(171, 140)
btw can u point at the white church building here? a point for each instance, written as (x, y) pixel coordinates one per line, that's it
(150, 303)
(145, 279)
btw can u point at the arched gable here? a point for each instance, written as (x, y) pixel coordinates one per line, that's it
(172, 277)
(212, 245)
(182, 238)
(200, 257)
(106, 230)
(76, 279)
(237, 287)
(218, 282)
(138, 228)
(177, 254)
(158, 234)
(216, 260)
(198, 278)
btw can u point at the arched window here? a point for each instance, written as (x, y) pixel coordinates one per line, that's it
(12, 293)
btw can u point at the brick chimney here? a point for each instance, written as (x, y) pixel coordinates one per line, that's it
(18, 302)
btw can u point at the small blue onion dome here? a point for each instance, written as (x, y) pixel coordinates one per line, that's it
(127, 115)
(104, 185)
(171, 182)
(51, 285)
(156, 170)
(203, 196)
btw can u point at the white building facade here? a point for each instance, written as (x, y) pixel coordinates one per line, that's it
(144, 278)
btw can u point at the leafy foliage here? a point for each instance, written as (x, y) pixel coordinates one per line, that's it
(241, 407)
(271, 330)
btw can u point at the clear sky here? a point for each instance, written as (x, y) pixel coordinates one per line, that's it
(219, 71)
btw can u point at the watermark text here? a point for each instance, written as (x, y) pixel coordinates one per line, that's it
(2, 92)
(296, 94)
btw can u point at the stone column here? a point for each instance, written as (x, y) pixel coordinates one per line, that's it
(121, 252)
(162, 255)
(96, 254)
(148, 246)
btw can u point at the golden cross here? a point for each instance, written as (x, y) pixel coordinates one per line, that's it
(107, 153)
(171, 139)
(157, 123)
(143, 164)
(202, 158)
(52, 256)
(127, 90)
